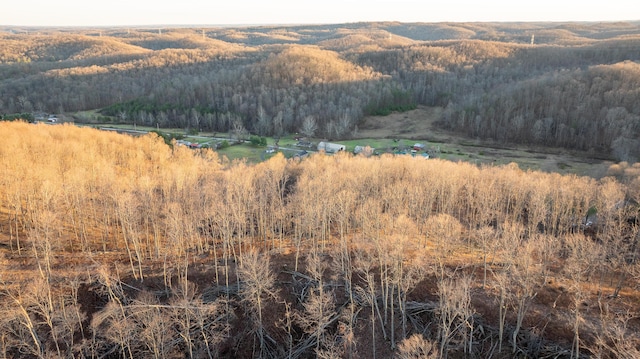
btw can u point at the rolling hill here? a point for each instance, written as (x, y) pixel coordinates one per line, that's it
(483, 74)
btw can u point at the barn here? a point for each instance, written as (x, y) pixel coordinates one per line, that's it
(329, 147)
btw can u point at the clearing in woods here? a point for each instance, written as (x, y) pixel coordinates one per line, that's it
(419, 125)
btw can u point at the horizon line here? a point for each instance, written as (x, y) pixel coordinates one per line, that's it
(155, 26)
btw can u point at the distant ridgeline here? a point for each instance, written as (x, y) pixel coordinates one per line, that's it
(553, 84)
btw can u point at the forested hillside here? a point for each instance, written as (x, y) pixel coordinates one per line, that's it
(572, 85)
(125, 247)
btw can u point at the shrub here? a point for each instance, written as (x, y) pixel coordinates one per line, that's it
(258, 141)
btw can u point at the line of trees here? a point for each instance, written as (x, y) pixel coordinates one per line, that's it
(333, 256)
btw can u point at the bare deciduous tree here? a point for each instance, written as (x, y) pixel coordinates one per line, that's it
(309, 126)
(584, 258)
(319, 312)
(258, 284)
(455, 313)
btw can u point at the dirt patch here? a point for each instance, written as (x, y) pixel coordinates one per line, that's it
(414, 124)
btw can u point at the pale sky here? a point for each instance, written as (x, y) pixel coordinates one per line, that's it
(245, 12)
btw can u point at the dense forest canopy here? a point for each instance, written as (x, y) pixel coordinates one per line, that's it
(121, 246)
(572, 85)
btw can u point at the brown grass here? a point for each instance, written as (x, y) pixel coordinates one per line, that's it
(421, 125)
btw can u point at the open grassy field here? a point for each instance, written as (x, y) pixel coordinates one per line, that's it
(249, 152)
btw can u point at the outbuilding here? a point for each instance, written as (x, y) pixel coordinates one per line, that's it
(419, 146)
(329, 147)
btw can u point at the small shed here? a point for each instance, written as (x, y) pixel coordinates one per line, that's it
(329, 147)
